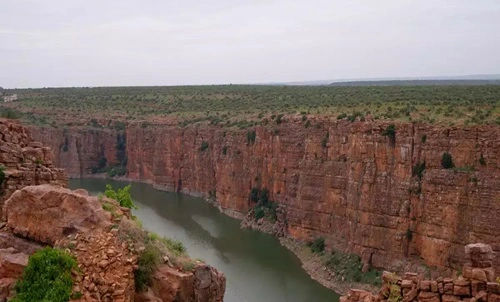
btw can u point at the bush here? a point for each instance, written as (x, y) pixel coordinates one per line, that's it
(482, 161)
(424, 138)
(102, 163)
(390, 132)
(349, 267)
(224, 150)
(251, 135)
(47, 277)
(148, 261)
(318, 245)
(2, 174)
(259, 212)
(204, 146)
(409, 234)
(254, 194)
(447, 161)
(418, 169)
(122, 196)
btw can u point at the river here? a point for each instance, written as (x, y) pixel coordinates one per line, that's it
(257, 267)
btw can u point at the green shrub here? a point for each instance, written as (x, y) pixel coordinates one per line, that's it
(409, 234)
(482, 161)
(318, 245)
(2, 174)
(251, 135)
(254, 194)
(394, 293)
(122, 196)
(148, 261)
(259, 212)
(102, 163)
(390, 132)
(279, 119)
(424, 138)
(47, 277)
(349, 267)
(174, 246)
(204, 146)
(65, 145)
(418, 169)
(224, 150)
(447, 161)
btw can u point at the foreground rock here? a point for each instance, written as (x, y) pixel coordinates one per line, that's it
(77, 222)
(477, 284)
(24, 161)
(45, 213)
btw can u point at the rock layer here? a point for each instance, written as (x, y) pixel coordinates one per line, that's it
(347, 182)
(24, 161)
(476, 285)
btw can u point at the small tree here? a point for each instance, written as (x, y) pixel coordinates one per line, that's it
(447, 161)
(122, 196)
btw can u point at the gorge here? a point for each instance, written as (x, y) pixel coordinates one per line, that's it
(256, 266)
(380, 194)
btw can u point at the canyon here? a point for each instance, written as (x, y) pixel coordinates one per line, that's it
(380, 194)
(39, 211)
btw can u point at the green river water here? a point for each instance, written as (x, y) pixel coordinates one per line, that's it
(257, 267)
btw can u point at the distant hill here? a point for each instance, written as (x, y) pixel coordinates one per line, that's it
(416, 82)
(478, 79)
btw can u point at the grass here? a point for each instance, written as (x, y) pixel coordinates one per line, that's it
(349, 267)
(154, 249)
(245, 106)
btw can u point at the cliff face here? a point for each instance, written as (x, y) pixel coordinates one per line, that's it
(24, 161)
(36, 209)
(344, 181)
(78, 151)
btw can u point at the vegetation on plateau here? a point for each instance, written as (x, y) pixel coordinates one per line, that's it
(47, 277)
(245, 106)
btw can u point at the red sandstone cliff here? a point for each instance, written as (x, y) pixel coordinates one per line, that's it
(344, 181)
(35, 209)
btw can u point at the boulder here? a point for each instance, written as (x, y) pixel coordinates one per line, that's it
(54, 213)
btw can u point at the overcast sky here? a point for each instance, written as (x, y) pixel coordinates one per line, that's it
(144, 42)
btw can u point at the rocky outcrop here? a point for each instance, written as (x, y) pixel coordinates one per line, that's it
(77, 222)
(477, 284)
(364, 189)
(47, 214)
(204, 284)
(24, 161)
